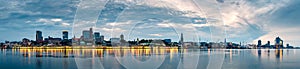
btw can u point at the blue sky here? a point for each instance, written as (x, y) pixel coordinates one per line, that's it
(199, 20)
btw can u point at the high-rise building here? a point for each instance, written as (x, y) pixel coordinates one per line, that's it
(39, 36)
(65, 35)
(181, 40)
(97, 37)
(259, 43)
(87, 37)
(123, 41)
(86, 34)
(278, 42)
(65, 39)
(91, 33)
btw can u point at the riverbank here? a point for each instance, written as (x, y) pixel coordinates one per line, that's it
(117, 47)
(94, 47)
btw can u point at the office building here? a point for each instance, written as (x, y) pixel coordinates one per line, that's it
(39, 37)
(86, 34)
(65, 35)
(65, 39)
(181, 40)
(278, 42)
(87, 37)
(259, 43)
(97, 38)
(97, 35)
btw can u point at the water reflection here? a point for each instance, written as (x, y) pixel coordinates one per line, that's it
(160, 58)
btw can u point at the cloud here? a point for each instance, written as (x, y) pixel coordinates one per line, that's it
(119, 23)
(66, 24)
(49, 22)
(109, 30)
(158, 35)
(56, 20)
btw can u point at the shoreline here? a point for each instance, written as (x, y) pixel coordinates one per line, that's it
(120, 47)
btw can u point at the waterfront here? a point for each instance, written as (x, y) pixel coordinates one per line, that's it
(161, 58)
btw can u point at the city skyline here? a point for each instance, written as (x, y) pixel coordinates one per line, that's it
(149, 34)
(245, 21)
(91, 38)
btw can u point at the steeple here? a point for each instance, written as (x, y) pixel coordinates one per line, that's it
(225, 42)
(181, 39)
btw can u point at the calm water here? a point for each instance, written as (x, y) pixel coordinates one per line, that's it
(148, 59)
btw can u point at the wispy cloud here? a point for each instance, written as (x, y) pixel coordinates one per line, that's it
(158, 35)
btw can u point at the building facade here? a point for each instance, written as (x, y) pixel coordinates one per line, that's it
(39, 37)
(65, 35)
(278, 42)
(259, 43)
(97, 38)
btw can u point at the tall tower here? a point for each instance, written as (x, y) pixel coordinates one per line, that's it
(259, 43)
(91, 33)
(122, 40)
(181, 39)
(225, 42)
(97, 37)
(65, 35)
(39, 36)
(278, 42)
(86, 35)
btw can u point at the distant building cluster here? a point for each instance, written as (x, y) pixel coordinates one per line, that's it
(277, 45)
(91, 38)
(88, 38)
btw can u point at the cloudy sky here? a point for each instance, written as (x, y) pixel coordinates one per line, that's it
(199, 20)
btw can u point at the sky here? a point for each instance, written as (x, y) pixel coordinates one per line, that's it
(244, 21)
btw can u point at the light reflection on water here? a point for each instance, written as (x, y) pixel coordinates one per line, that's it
(148, 58)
